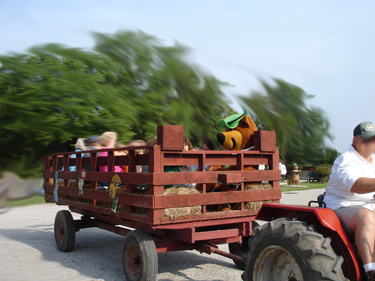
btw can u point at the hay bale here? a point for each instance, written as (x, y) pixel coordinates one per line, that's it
(256, 205)
(123, 208)
(176, 213)
(85, 200)
(49, 197)
(141, 211)
(103, 204)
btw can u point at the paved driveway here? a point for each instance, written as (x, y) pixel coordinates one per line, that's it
(28, 251)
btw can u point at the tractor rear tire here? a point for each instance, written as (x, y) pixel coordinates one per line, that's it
(288, 249)
(139, 257)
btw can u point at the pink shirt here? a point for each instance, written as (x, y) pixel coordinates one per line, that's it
(117, 169)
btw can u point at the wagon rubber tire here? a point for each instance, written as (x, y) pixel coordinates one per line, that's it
(65, 231)
(139, 257)
(239, 249)
(288, 249)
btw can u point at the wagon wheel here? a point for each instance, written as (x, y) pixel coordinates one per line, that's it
(291, 250)
(239, 249)
(139, 257)
(65, 232)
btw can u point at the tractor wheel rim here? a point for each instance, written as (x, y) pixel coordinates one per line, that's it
(60, 232)
(133, 261)
(276, 263)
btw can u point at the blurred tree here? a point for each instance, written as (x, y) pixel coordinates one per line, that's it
(129, 83)
(326, 156)
(301, 130)
(323, 171)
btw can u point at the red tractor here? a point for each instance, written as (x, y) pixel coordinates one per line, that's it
(301, 243)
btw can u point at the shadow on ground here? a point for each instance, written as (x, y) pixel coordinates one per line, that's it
(97, 253)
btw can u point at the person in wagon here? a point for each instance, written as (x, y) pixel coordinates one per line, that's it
(108, 140)
(138, 168)
(350, 193)
(80, 146)
(92, 143)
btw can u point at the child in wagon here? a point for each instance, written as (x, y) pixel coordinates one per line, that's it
(108, 140)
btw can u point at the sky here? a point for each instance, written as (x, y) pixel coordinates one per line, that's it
(325, 47)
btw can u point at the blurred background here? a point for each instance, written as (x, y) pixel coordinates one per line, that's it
(74, 69)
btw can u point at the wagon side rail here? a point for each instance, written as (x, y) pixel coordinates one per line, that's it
(124, 200)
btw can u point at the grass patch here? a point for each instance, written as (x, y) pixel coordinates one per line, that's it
(37, 199)
(311, 185)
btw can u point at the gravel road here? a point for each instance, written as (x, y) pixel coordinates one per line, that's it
(28, 250)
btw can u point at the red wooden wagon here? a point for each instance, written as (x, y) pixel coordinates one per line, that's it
(139, 215)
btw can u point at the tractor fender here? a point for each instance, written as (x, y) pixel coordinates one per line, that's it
(326, 222)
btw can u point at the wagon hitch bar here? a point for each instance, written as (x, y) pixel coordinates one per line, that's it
(211, 249)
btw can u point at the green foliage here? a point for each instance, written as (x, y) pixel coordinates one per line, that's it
(301, 130)
(129, 83)
(323, 171)
(327, 156)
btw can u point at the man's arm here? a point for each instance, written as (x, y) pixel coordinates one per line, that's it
(363, 185)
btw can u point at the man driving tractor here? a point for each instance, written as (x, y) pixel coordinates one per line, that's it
(351, 193)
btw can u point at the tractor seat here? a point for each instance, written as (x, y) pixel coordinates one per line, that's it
(319, 201)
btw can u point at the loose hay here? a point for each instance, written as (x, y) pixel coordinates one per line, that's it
(122, 208)
(176, 213)
(256, 205)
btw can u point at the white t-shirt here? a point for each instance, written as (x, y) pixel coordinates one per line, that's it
(347, 168)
